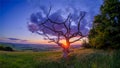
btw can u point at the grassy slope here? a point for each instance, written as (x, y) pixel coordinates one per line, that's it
(80, 58)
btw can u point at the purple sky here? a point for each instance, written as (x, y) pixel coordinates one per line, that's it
(15, 13)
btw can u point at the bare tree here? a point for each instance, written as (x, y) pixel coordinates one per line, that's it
(65, 32)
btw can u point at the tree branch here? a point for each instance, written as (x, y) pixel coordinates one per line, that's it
(67, 35)
(78, 39)
(82, 14)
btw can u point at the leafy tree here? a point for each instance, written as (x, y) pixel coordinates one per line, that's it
(106, 26)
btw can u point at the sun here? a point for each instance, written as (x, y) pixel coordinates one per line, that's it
(64, 44)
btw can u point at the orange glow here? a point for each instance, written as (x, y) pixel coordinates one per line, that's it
(40, 42)
(52, 43)
(64, 44)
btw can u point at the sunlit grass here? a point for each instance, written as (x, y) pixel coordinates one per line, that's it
(80, 58)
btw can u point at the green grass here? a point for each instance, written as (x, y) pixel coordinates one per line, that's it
(80, 58)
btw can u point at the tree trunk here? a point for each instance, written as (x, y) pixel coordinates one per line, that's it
(66, 49)
(65, 53)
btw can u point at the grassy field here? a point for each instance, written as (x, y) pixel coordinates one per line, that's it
(80, 58)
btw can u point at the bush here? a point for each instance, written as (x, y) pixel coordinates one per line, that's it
(6, 48)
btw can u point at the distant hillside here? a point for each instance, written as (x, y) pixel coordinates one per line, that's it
(34, 47)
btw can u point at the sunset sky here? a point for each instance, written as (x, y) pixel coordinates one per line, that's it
(14, 15)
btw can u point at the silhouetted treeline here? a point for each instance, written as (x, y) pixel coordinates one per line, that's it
(6, 48)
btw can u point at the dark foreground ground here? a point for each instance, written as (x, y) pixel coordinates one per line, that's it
(80, 58)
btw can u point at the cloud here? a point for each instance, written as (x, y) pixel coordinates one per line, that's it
(24, 40)
(15, 39)
(60, 11)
